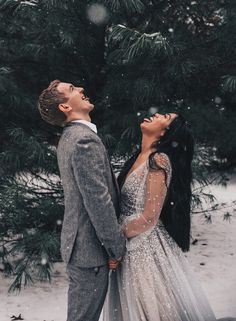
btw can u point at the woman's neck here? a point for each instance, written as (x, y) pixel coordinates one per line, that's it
(146, 146)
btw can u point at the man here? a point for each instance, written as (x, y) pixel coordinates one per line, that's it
(90, 232)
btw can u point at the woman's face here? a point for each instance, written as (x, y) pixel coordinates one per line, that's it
(157, 124)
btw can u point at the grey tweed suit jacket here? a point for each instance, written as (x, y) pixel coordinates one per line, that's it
(90, 231)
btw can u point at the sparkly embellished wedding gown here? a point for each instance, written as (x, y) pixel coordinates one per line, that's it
(154, 281)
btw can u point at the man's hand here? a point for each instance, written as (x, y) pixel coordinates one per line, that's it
(113, 264)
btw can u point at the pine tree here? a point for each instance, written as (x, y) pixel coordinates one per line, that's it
(40, 41)
(177, 57)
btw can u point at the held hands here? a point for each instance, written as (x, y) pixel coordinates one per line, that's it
(113, 264)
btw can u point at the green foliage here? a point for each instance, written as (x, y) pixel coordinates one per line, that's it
(183, 55)
(30, 221)
(147, 56)
(40, 41)
(229, 84)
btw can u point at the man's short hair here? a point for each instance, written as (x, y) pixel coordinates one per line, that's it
(48, 103)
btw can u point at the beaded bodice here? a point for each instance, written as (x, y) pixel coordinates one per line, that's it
(133, 192)
(130, 191)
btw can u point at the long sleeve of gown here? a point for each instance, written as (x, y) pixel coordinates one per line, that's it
(155, 194)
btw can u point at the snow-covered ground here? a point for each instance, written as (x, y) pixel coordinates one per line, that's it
(213, 258)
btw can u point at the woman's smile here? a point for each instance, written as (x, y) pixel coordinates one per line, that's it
(151, 118)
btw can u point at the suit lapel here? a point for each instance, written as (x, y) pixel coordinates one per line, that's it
(112, 172)
(114, 180)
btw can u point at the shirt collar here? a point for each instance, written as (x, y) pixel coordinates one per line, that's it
(87, 123)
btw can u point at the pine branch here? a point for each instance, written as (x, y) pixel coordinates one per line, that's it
(229, 83)
(135, 44)
(215, 207)
(131, 6)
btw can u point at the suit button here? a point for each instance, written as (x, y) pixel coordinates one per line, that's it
(96, 269)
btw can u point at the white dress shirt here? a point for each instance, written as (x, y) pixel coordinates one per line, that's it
(87, 123)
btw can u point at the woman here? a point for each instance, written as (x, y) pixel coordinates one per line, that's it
(154, 281)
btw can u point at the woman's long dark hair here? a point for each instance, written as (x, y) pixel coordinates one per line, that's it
(178, 144)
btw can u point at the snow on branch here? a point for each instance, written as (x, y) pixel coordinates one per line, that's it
(135, 43)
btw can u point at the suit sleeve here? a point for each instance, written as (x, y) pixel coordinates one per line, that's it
(89, 171)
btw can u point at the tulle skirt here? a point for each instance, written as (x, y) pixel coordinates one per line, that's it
(155, 283)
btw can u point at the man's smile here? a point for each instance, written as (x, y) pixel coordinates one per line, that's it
(85, 98)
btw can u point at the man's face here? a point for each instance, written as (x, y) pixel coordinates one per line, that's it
(76, 99)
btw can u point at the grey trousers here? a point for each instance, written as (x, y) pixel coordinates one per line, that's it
(87, 292)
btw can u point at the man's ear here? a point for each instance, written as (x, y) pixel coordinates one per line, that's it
(64, 108)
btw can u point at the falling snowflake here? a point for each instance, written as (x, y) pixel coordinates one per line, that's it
(153, 110)
(97, 13)
(217, 100)
(44, 261)
(174, 144)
